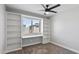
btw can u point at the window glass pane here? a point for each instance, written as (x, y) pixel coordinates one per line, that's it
(30, 26)
(36, 26)
(26, 24)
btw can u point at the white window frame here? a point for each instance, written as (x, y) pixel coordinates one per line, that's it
(41, 27)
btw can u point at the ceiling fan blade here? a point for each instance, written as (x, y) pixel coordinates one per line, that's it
(43, 6)
(54, 6)
(53, 11)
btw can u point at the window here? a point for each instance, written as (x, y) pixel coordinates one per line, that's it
(30, 26)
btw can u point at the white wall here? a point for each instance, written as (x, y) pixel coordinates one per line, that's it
(66, 29)
(2, 11)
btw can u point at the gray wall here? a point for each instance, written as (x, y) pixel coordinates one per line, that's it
(2, 27)
(66, 29)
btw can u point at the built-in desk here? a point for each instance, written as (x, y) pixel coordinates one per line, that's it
(30, 36)
(31, 40)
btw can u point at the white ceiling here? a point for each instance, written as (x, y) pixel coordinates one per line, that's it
(36, 7)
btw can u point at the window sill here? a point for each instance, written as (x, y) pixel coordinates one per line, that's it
(30, 36)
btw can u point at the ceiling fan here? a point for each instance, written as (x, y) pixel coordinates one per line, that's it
(48, 9)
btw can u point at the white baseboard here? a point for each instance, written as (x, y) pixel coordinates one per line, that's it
(76, 51)
(11, 50)
(21, 48)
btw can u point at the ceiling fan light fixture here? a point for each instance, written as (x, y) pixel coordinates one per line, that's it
(46, 13)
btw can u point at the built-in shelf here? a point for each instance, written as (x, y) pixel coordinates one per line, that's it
(30, 36)
(14, 40)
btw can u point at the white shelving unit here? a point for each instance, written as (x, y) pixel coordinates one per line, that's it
(14, 41)
(13, 32)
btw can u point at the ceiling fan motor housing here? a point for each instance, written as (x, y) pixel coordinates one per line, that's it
(47, 9)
